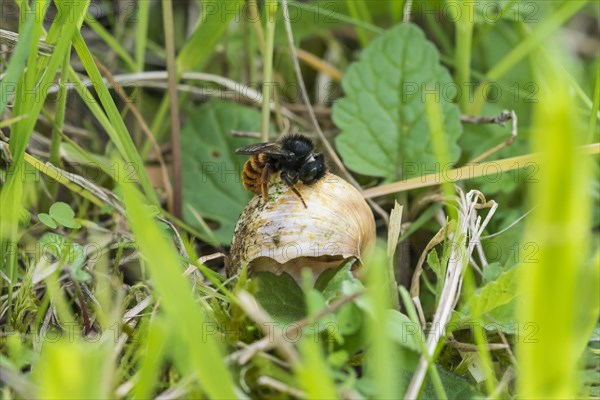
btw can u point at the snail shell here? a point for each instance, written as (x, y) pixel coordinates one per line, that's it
(284, 236)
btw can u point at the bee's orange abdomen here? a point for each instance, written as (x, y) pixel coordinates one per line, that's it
(251, 174)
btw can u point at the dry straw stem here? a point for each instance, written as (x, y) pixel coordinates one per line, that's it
(394, 229)
(18, 383)
(280, 387)
(155, 79)
(319, 65)
(95, 194)
(407, 11)
(12, 38)
(268, 90)
(71, 181)
(466, 236)
(467, 172)
(437, 239)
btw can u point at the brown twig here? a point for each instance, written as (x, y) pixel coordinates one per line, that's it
(12, 38)
(83, 306)
(504, 340)
(499, 119)
(318, 109)
(70, 129)
(473, 348)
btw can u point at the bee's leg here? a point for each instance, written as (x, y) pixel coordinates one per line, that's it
(286, 178)
(299, 195)
(264, 183)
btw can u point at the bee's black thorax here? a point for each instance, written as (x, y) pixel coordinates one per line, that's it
(304, 165)
(293, 157)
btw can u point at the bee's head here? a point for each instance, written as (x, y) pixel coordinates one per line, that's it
(313, 169)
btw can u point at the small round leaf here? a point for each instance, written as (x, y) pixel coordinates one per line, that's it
(63, 214)
(47, 220)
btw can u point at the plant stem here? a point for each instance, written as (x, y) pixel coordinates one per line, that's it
(271, 9)
(59, 119)
(464, 39)
(359, 11)
(595, 113)
(175, 126)
(467, 172)
(141, 35)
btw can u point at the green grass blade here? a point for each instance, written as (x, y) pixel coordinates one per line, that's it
(211, 28)
(479, 334)
(330, 13)
(436, 127)
(359, 11)
(70, 369)
(152, 359)
(268, 91)
(111, 41)
(383, 362)
(592, 133)
(141, 34)
(196, 52)
(464, 40)
(412, 314)
(183, 314)
(122, 138)
(29, 101)
(59, 118)
(314, 372)
(545, 28)
(397, 10)
(16, 66)
(58, 175)
(559, 229)
(531, 41)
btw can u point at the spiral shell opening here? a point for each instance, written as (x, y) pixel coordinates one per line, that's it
(284, 236)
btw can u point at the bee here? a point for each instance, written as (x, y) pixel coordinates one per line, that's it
(292, 156)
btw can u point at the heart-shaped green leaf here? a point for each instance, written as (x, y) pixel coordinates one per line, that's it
(212, 185)
(495, 294)
(384, 127)
(281, 297)
(47, 220)
(75, 257)
(64, 215)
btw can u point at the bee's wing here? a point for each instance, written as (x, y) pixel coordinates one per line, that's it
(270, 148)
